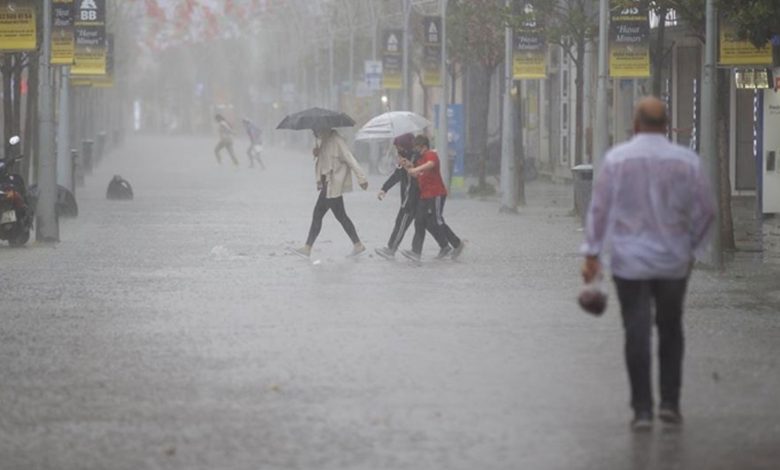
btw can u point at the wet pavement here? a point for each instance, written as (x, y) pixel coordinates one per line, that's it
(175, 332)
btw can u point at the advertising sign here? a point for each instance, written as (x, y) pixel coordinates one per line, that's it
(90, 38)
(62, 34)
(432, 51)
(392, 59)
(735, 51)
(373, 74)
(629, 46)
(456, 143)
(107, 80)
(530, 55)
(17, 26)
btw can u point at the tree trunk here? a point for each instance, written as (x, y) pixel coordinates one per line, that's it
(580, 101)
(722, 126)
(658, 52)
(30, 133)
(479, 109)
(17, 91)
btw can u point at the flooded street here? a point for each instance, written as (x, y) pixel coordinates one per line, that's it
(175, 331)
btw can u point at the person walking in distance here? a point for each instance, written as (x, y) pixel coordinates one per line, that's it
(225, 139)
(255, 148)
(410, 195)
(430, 209)
(653, 200)
(334, 167)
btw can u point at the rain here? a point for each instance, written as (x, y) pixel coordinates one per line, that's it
(240, 234)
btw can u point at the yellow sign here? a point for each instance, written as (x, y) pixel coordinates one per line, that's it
(62, 42)
(530, 51)
(734, 51)
(392, 60)
(81, 81)
(629, 47)
(17, 27)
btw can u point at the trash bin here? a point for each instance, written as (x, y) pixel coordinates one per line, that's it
(583, 186)
(100, 147)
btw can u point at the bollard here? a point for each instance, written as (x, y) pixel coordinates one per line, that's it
(583, 186)
(87, 148)
(76, 175)
(100, 147)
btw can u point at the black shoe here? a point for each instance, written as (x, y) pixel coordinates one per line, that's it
(670, 414)
(642, 422)
(444, 252)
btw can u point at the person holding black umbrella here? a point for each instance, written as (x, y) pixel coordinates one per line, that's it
(334, 168)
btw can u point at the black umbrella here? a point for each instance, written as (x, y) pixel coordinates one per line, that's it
(316, 119)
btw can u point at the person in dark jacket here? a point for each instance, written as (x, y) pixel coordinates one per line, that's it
(410, 194)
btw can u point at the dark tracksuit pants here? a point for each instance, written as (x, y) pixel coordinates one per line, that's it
(429, 216)
(322, 207)
(635, 305)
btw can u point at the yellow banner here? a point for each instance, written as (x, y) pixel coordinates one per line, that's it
(90, 53)
(81, 82)
(629, 46)
(392, 60)
(529, 66)
(530, 49)
(62, 34)
(734, 51)
(17, 28)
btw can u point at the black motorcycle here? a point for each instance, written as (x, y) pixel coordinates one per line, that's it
(16, 213)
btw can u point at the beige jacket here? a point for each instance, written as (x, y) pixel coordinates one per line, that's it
(336, 163)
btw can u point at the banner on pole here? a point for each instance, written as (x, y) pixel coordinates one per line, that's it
(90, 38)
(629, 43)
(530, 54)
(107, 80)
(432, 51)
(735, 51)
(18, 30)
(392, 59)
(62, 34)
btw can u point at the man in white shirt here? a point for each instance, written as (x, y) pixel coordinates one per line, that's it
(653, 202)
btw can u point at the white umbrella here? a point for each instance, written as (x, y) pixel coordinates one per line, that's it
(391, 125)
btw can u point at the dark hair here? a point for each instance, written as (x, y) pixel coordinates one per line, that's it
(421, 140)
(219, 117)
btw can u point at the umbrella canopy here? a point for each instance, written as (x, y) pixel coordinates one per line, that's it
(316, 119)
(392, 124)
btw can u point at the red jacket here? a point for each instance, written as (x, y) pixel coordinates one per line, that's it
(430, 182)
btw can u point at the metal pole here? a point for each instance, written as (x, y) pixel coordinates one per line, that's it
(47, 225)
(331, 100)
(64, 163)
(443, 140)
(709, 149)
(376, 104)
(601, 132)
(508, 196)
(406, 89)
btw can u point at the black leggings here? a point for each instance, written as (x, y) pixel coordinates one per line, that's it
(429, 216)
(336, 205)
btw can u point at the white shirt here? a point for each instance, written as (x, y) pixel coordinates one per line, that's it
(654, 204)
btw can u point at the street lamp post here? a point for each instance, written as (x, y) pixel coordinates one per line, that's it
(601, 134)
(47, 225)
(443, 132)
(709, 149)
(508, 196)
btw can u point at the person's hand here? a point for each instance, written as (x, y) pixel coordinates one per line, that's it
(590, 269)
(381, 195)
(364, 185)
(319, 185)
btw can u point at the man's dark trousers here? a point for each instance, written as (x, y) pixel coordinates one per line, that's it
(635, 305)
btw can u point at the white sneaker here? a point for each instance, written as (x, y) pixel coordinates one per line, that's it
(358, 250)
(304, 252)
(385, 253)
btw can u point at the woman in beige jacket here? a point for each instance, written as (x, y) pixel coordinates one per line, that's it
(334, 167)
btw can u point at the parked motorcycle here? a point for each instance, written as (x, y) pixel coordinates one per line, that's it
(16, 213)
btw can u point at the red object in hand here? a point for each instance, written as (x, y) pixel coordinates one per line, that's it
(593, 301)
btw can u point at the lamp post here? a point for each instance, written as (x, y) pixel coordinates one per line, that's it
(601, 134)
(443, 132)
(47, 225)
(508, 196)
(709, 148)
